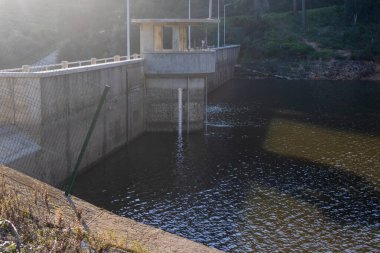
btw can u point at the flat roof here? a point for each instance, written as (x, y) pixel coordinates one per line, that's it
(193, 21)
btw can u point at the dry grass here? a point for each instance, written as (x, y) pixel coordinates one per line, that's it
(44, 228)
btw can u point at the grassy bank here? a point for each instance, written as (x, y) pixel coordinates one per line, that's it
(43, 227)
(329, 34)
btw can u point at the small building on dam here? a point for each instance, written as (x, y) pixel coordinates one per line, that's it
(46, 111)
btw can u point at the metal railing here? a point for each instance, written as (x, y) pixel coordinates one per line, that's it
(66, 64)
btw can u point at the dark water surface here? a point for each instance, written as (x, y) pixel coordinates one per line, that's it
(281, 165)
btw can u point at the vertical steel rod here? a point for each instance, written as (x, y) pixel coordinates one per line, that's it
(218, 23)
(189, 25)
(188, 106)
(87, 140)
(128, 31)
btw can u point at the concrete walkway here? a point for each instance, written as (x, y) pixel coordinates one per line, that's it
(101, 221)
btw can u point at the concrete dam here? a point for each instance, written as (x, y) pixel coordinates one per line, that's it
(46, 110)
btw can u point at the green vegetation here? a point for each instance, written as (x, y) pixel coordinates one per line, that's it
(328, 35)
(44, 228)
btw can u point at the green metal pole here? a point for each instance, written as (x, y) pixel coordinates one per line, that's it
(85, 144)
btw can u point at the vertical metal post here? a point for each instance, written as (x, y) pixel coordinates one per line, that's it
(188, 105)
(210, 9)
(224, 33)
(86, 141)
(206, 103)
(218, 23)
(14, 101)
(224, 27)
(180, 111)
(189, 25)
(304, 13)
(128, 31)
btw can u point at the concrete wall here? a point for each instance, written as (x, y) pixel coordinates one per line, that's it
(161, 103)
(226, 59)
(54, 110)
(167, 72)
(44, 116)
(165, 63)
(20, 101)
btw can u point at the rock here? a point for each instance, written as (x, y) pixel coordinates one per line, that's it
(311, 70)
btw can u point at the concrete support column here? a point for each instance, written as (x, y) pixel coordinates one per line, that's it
(25, 68)
(158, 38)
(182, 38)
(65, 64)
(176, 38)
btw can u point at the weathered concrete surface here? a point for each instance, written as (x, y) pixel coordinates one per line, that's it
(226, 58)
(101, 221)
(165, 63)
(54, 109)
(50, 112)
(161, 103)
(190, 71)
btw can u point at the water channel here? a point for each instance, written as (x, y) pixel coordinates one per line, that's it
(280, 165)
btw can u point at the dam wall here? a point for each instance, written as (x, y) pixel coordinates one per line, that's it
(226, 59)
(44, 116)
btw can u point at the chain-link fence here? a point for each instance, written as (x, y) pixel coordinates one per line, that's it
(46, 112)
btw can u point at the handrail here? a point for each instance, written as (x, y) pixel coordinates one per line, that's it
(75, 64)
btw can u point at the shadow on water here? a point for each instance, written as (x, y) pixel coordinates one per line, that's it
(276, 154)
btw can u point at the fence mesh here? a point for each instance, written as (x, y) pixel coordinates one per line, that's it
(45, 115)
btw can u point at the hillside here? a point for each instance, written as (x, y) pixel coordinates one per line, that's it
(327, 36)
(28, 31)
(267, 29)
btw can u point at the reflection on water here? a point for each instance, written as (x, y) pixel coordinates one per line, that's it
(285, 165)
(357, 153)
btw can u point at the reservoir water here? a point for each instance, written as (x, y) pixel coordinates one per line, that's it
(279, 166)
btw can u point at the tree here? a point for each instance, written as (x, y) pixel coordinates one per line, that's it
(295, 9)
(260, 7)
(363, 10)
(304, 13)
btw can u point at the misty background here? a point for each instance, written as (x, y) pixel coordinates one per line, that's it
(75, 30)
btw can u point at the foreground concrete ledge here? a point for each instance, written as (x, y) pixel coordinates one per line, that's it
(98, 220)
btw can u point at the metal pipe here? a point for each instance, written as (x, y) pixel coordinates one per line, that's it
(128, 31)
(224, 26)
(218, 23)
(86, 141)
(180, 111)
(188, 105)
(210, 9)
(189, 25)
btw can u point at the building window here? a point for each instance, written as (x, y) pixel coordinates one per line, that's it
(168, 37)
